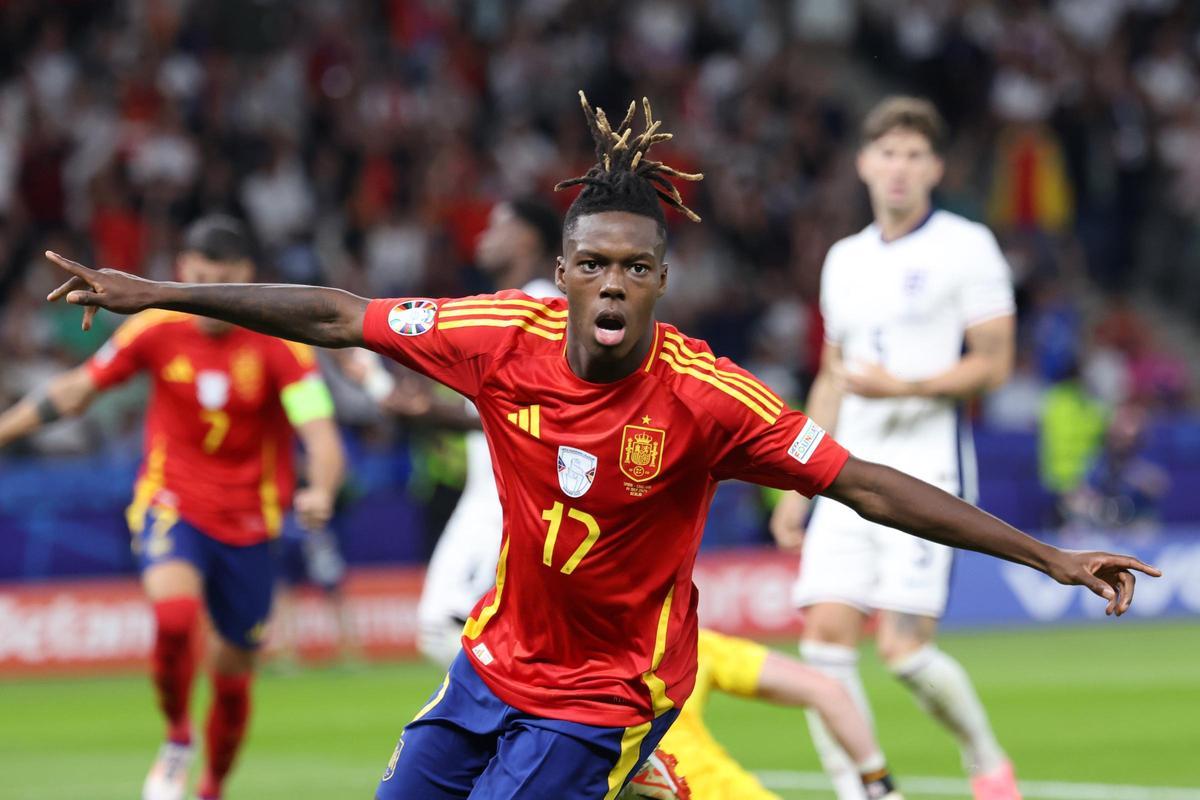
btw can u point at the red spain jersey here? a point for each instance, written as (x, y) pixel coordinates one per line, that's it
(605, 490)
(218, 445)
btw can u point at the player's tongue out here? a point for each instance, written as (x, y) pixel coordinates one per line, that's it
(610, 328)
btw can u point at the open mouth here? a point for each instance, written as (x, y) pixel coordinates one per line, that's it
(610, 328)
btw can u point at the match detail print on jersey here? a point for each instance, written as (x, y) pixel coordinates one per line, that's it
(413, 317)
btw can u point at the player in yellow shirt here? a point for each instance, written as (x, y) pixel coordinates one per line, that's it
(748, 669)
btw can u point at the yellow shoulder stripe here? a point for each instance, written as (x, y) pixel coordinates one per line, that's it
(141, 322)
(533, 316)
(712, 380)
(476, 302)
(526, 325)
(706, 360)
(304, 355)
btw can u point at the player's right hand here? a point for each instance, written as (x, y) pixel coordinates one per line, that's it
(787, 521)
(93, 289)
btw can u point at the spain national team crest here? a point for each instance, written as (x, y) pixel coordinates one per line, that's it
(642, 452)
(576, 470)
(412, 317)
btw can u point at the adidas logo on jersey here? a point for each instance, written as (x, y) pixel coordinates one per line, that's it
(528, 419)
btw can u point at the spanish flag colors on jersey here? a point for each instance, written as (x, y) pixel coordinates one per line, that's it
(593, 614)
(218, 443)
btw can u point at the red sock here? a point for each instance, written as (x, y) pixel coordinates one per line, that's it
(174, 662)
(226, 727)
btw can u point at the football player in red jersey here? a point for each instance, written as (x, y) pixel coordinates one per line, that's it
(609, 432)
(215, 481)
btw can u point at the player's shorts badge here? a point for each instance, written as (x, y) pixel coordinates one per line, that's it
(642, 452)
(412, 317)
(391, 767)
(576, 470)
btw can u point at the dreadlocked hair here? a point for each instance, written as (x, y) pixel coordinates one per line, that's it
(623, 178)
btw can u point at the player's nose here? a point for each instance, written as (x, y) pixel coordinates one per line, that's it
(613, 285)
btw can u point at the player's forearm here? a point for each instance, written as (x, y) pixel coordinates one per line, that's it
(67, 394)
(311, 314)
(892, 498)
(325, 457)
(974, 374)
(824, 401)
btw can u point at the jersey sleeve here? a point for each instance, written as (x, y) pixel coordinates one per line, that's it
(297, 377)
(987, 291)
(123, 355)
(752, 434)
(454, 341)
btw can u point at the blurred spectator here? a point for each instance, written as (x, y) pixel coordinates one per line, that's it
(1122, 487)
(1072, 428)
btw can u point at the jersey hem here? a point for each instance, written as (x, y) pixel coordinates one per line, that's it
(554, 706)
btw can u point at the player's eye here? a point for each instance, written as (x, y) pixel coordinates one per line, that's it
(640, 269)
(589, 265)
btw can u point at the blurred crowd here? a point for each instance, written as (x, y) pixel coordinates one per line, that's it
(365, 142)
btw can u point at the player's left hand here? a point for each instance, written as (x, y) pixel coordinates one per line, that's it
(872, 380)
(314, 507)
(101, 288)
(1106, 574)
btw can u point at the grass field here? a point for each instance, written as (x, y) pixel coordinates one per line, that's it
(1117, 704)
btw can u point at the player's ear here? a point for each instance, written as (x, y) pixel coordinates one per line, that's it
(860, 164)
(560, 274)
(662, 279)
(939, 169)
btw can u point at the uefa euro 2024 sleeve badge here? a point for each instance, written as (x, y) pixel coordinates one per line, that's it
(576, 470)
(412, 317)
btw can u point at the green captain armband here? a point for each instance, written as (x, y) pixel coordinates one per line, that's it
(307, 399)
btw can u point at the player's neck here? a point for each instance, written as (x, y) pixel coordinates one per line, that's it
(895, 224)
(601, 368)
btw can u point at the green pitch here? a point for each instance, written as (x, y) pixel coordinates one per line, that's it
(1113, 704)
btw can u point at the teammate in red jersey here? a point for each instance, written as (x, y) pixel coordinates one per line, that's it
(215, 480)
(609, 432)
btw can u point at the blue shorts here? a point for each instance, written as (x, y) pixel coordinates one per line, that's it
(238, 581)
(466, 742)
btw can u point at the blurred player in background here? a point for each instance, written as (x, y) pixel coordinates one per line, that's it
(576, 663)
(517, 250)
(919, 316)
(215, 482)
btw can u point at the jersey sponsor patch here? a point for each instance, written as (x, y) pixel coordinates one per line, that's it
(576, 470)
(806, 441)
(642, 452)
(412, 317)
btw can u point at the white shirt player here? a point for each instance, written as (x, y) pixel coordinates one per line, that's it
(463, 565)
(905, 305)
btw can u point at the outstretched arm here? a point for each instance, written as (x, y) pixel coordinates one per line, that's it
(889, 497)
(310, 314)
(68, 394)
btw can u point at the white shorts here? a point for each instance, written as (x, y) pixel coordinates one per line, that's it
(847, 559)
(461, 570)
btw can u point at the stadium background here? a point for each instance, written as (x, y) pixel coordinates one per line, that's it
(365, 144)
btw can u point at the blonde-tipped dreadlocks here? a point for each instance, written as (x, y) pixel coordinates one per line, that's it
(623, 178)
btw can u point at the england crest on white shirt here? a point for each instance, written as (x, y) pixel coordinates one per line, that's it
(576, 470)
